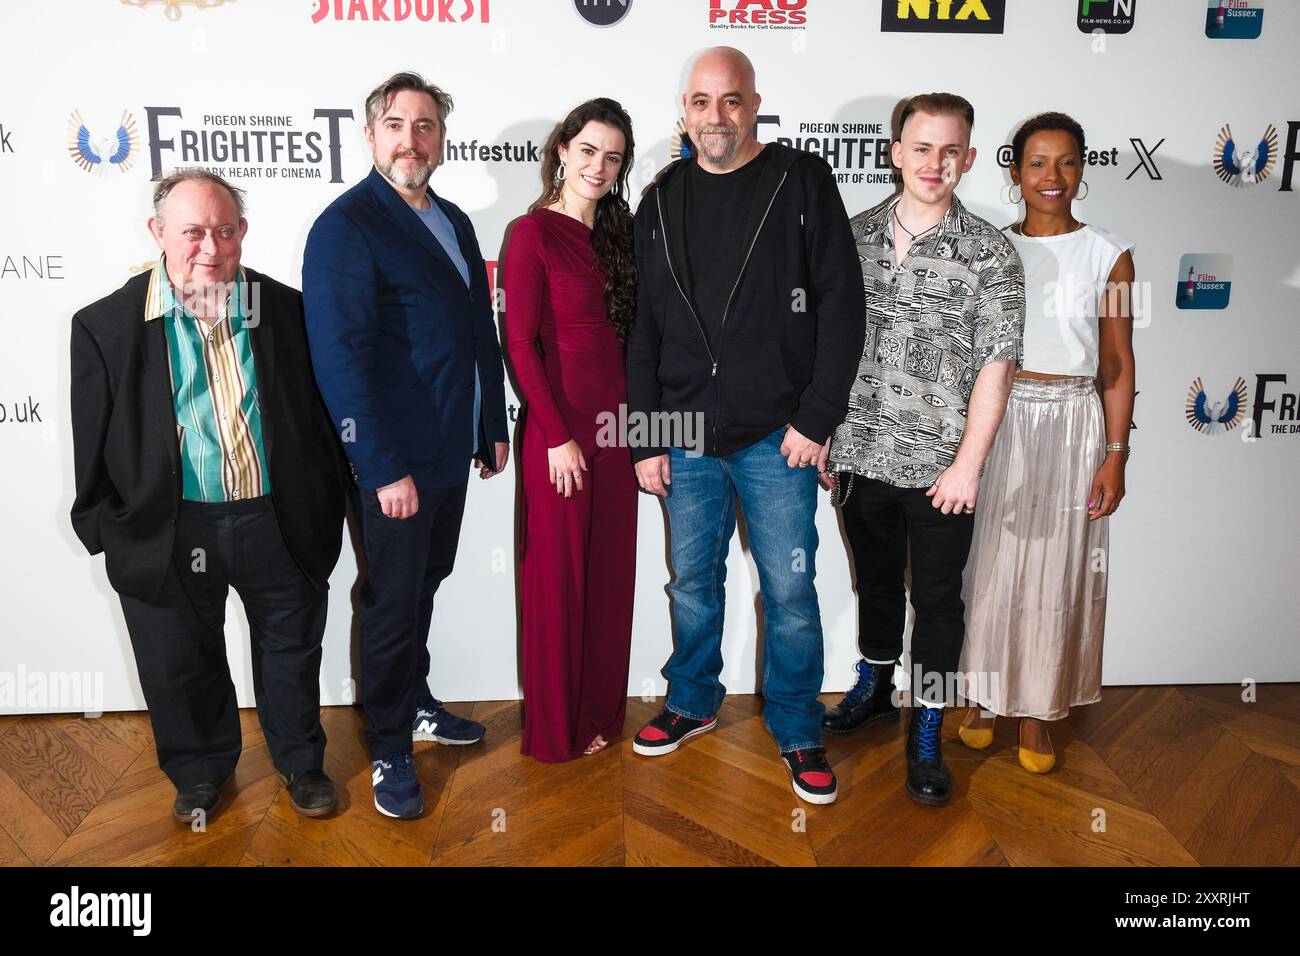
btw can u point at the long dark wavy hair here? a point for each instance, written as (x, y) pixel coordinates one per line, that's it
(611, 235)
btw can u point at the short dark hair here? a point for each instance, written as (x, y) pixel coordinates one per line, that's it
(1044, 122)
(381, 97)
(193, 175)
(938, 104)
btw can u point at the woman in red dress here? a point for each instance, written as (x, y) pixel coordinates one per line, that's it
(570, 298)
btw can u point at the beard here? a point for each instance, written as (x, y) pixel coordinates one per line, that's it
(717, 154)
(408, 178)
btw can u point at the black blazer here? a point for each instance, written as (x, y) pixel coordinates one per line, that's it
(125, 451)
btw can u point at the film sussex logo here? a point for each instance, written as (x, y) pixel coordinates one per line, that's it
(1234, 19)
(1204, 281)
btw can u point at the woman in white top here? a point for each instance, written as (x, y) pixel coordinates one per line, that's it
(1036, 579)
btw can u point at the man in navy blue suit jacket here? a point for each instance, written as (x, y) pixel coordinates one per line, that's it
(405, 351)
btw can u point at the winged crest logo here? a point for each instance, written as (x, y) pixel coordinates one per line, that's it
(680, 146)
(1244, 165)
(98, 154)
(1212, 417)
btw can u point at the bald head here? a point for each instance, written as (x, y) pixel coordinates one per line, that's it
(721, 107)
(721, 61)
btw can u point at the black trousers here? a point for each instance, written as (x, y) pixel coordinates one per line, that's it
(406, 560)
(180, 647)
(881, 521)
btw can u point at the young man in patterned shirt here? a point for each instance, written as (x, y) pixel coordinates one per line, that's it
(945, 320)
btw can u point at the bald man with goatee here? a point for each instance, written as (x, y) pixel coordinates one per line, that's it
(750, 321)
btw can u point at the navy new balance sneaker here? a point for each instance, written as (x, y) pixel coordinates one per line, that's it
(434, 722)
(397, 791)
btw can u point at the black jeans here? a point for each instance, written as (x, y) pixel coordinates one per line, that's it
(881, 521)
(406, 560)
(180, 646)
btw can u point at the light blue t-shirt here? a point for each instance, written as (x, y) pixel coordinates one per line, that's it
(436, 221)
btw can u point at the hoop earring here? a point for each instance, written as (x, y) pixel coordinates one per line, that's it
(1007, 192)
(1086, 190)
(614, 189)
(560, 172)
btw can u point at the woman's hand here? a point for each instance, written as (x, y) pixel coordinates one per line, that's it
(567, 465)
(1107, 486)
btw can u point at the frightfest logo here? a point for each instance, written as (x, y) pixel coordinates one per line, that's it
(1211, 415)
(1234, 19)
(248, 146)
(857, 152)
(1247, 163)
(99, 151)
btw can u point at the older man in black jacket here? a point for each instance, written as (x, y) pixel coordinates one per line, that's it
(749, 324)
(205, 459)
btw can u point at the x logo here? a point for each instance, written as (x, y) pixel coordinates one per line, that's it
(1144, 159)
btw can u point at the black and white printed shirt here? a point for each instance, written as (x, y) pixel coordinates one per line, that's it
(956, 303)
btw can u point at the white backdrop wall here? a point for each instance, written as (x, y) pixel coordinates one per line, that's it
(1203, 558)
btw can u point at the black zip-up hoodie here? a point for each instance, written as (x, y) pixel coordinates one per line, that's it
(791, 337)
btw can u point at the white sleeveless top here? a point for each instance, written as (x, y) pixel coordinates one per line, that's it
(1065, 278)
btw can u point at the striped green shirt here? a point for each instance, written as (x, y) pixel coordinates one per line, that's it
(214, 392)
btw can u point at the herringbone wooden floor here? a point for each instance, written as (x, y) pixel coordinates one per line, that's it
(1151, 775)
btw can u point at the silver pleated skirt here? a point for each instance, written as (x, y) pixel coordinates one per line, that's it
(1035, 584)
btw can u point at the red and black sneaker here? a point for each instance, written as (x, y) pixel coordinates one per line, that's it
(668, 730)
(811, 774)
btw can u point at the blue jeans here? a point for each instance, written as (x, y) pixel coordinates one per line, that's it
(779, 504)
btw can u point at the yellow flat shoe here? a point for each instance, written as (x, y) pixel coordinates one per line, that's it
(976, 738)
(1032, 760)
